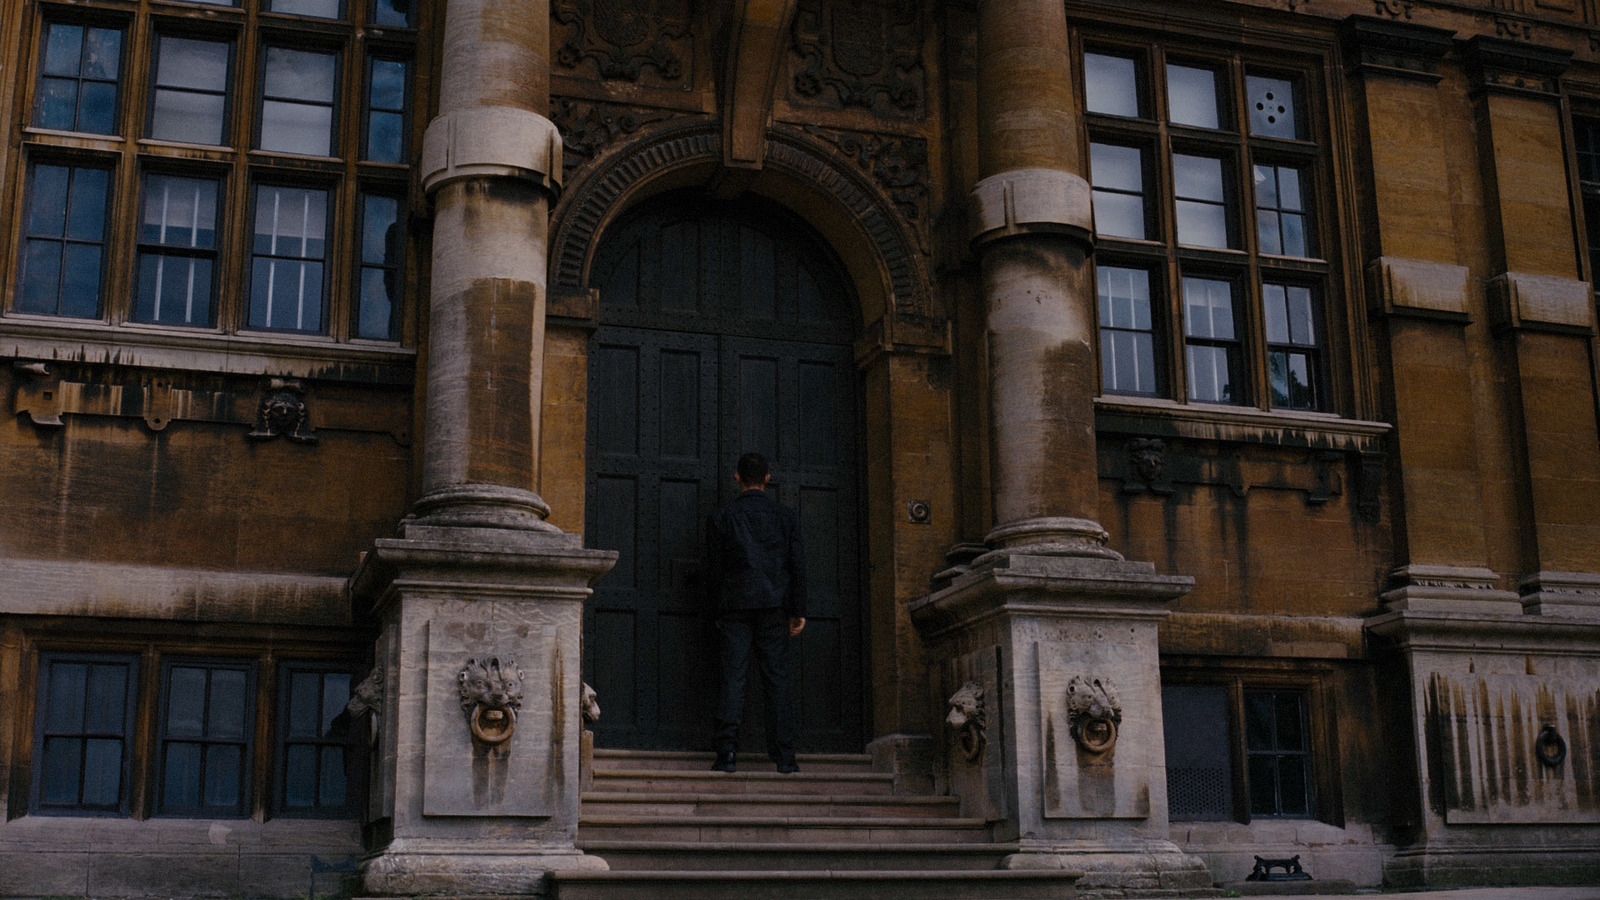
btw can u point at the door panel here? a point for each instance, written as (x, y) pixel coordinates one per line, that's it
(724, 328)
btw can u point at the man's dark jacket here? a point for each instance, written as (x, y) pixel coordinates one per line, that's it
(753, 557)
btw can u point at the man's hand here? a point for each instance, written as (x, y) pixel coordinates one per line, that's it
(796, 626)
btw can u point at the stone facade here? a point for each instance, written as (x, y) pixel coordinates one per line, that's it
(1225, 456)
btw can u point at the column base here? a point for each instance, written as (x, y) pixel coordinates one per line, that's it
(1575, 594)
(1451, 589)
(1152, 868)
(480, 506)
(424, 867)
(1048, 536)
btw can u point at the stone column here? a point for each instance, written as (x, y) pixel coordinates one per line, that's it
(475, 694)
(489, 163)
(1053, 630)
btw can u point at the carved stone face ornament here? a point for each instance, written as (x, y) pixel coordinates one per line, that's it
(491, 695)
(1093, 713)
(967, 720)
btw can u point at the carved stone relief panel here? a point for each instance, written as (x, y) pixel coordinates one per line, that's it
(862, 54)
(588, 127)
(897, 165)
(1098, 739)
(648, 42)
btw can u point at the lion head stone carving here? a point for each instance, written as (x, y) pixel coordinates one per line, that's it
(491, 696)
(1093, 713)
(968, 720)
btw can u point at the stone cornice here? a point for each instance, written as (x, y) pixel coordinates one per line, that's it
(1394, 47)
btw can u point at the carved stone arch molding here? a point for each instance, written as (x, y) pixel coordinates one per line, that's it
(879, 250)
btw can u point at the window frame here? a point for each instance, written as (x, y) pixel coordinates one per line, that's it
(1314, 154)
(247, 740)
(355, 761)
(346, 652)
(42, 700)
(1236, 681)
(248, 29)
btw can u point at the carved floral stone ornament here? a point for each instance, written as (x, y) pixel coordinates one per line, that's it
(1093, 713)
(967, 719)
(491, 695)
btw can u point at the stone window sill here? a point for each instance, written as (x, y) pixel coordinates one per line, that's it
(1164, 418)
(278, 355)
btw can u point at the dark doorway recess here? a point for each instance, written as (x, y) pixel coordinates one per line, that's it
(725, 326)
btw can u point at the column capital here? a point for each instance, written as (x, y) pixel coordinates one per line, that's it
(491, 141)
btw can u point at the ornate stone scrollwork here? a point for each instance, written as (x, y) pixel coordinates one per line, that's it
(590, 703)
(1093, 713)
(968, 720)
(491, 696)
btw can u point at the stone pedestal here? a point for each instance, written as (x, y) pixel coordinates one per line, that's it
(1504, 711)
(1069, 761)
(476, 766)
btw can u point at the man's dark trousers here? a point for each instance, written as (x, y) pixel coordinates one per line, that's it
(766, 632)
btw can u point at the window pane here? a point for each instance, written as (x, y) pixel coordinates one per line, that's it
(1200, 188)
(179, 212)
(1302, 320)
(386, 99)
(1210, 377)
(41, 278)
(47, 208)
(226, 720)
(322, 9)
(1208, 308)
(97, 109)
(59, 770)
(332, 789)
(86, 204)
(177, 288)
(102, 54)
(180, 777)
(102, 773)
(1294, 792)
(68, 687)
(63, 49)
(305, 694)
(1263, 785)
(1118, 177)
(193, 64)
(1287, 715)
(296, 128)
(1110, 85)
(1258, 720)
(222, 776)
(1274, 307)
(57, 104)
(186, 702)
(191, 91)
(335, 694)
(393, 13)
(105, 710)
(1124, 297)
(1192, 96)
(300, 776)
(80, 282)
(381, 272)
(299, 75)
(286, 281)
(1272, 106)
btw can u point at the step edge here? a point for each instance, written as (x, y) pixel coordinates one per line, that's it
(939, 875)
(800, 821)
(753, 797)
(791, 846)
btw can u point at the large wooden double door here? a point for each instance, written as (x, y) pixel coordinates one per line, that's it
(725, 327)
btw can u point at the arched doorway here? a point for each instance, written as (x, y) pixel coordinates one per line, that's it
(724, 326)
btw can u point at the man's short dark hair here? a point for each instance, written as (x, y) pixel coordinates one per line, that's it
(753, 468)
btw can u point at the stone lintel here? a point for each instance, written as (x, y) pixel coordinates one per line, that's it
(1463, 589)
(1396, 48)
(1541, 303)
(1032, 201)
(1417, 287)
(1575, 594)
(491, 142)
(1017, 583)
(46, 587)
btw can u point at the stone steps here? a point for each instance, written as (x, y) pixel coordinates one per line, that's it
(811, 885)
(671, 829)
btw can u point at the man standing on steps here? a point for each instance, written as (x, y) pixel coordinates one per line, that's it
(755, 578)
